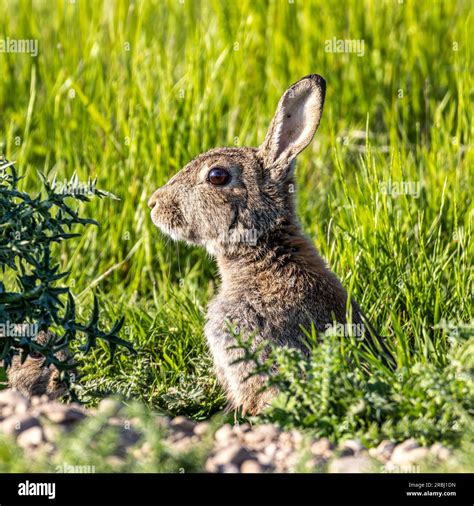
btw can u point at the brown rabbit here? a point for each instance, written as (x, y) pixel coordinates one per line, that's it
(32, 378)
(238, 203)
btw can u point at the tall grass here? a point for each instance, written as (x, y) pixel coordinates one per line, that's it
(130, 91)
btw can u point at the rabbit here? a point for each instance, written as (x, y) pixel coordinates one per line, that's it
(33, 378)
(239, 204)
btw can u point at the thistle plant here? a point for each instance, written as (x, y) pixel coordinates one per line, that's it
(339, 389)
(33, 293)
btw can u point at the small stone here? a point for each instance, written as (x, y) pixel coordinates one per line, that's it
(254, 439)
(354, 464)
(31, 437)
(265, 460)
(10, 397)
(250, 466)
(408, 453)
(60, 413)
(224, 434)
(182, 423)
(176, 437)
(201, 428)
(282, 453)
(400, 450)
(228, 469)
(440, 451)
(269, 431)
(210, 466)
(186, 443)
(234, 454)
(285, 439)
(241, 429)
(270, 450)
(322, 447)
(18, 423)
(290, 462)
(352, 447)
(296, 436)
(37, 400)
(6, 411)
(407, 445)
(383, 452)
(143, 451)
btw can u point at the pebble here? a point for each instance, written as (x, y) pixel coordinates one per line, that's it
(37, 400)
(353, 464)
(241, 429)
(401, 453)
(408, 457)
(37, 423)
(228, 469)
(270, 450)
(440, 451)
(383, 451)
(6, 411)
(322, 447)
(296, 436)
(224, 433)
(235, 453)
(59, 413)
(352, 447)
(31, 437)
(11, 397)
(250, 466)
(260, 437)
(201, 428)
(182, 423)
(18, 423)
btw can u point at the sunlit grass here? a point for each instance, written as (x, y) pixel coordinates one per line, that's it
(129, 92)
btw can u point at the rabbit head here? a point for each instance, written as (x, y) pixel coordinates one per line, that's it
(227, 198)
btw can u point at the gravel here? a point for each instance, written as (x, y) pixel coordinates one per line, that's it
(36, 424)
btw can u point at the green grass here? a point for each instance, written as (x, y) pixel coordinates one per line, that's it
(129, 92)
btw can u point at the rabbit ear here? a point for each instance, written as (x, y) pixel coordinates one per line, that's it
(295, 122)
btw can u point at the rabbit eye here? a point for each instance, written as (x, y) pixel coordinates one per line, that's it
(218, 176)
(36, 355)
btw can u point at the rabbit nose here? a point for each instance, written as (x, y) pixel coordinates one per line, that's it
(153, 200)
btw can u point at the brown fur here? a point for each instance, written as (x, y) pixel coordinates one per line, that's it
(32, 378)
(277, 282)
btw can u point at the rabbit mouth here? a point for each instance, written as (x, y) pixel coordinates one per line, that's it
(177, 233)
(167, 229)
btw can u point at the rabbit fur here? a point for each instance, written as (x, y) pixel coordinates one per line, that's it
(273, 280)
